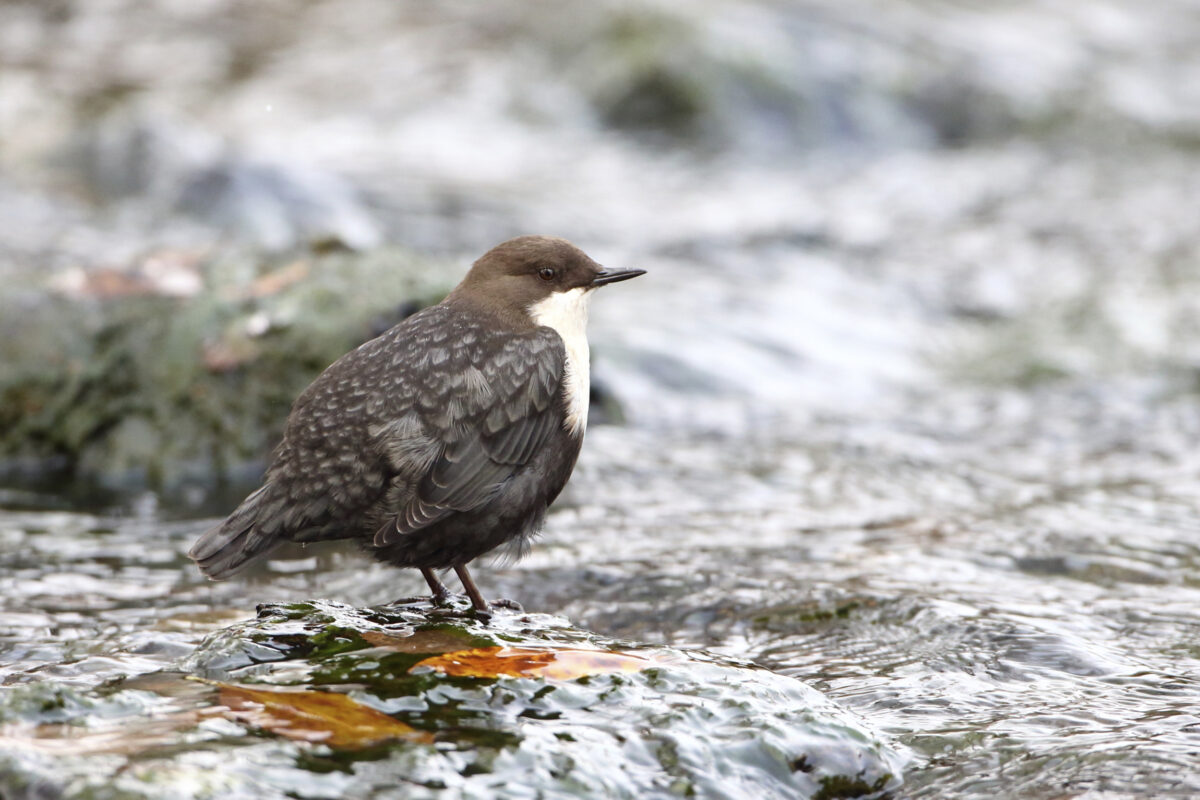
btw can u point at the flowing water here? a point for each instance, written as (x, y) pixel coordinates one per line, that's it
(915, 421)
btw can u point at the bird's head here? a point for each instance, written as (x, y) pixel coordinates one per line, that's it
(534, 277)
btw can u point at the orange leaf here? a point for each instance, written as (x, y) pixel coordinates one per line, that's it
(333, 719)
(278, 280)
(565, 665)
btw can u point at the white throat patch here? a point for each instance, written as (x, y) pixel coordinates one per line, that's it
(567, 313)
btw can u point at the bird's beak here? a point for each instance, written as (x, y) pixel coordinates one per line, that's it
(606, 276)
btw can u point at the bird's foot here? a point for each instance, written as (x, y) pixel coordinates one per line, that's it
(441, 603)
(408, 601)
(445, 599)
(487, 612)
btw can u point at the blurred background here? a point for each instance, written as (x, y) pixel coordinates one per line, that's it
(908, 405)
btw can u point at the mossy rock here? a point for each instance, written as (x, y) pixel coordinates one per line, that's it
(119, 383)
(322, 699)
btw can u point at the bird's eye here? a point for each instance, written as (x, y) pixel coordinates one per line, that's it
(547, 273)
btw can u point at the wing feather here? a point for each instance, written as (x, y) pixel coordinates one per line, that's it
(497, 412)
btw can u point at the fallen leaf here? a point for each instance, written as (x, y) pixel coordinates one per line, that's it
(565, 665)
(278, 280)
(165, 273)
(223, 356)
(104, 283)
(172, 273)
(326, 717)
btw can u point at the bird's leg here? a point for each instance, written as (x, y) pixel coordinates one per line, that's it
(481, 605)
(440, 593)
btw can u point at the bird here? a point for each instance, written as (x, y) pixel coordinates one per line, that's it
(444, 438)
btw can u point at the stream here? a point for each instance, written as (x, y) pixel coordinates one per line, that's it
(904, 418)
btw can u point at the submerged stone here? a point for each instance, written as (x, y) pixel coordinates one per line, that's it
(317, 699)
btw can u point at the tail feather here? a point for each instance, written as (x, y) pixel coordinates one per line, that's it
(248, 533)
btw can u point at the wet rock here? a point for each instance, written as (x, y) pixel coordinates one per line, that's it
(147, 376)
(137, 158)
(670, 79)
(357, 701)
(278, 207)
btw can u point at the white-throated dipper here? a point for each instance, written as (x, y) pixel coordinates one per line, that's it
(445, 437)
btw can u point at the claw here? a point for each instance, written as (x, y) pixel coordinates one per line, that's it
(445, 600)
(407, 601)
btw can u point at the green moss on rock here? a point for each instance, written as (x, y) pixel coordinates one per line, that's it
(137, 388)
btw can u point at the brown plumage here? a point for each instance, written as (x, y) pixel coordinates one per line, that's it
(445, 437)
